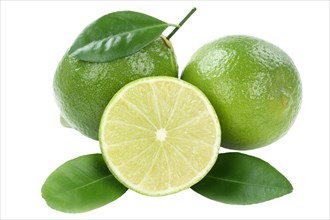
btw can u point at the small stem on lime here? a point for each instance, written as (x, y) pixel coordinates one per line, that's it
(181, 23)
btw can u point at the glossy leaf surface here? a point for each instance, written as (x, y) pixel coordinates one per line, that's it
(116, 35)
(242, 179)
(81, 184)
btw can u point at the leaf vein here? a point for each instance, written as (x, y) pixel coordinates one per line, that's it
(241, 182)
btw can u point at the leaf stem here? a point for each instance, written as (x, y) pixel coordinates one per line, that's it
(181, 23)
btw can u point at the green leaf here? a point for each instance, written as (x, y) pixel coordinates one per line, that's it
(81, 184)
(116, 35)
(242, 179)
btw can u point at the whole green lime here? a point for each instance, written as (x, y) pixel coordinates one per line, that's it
(83, 89)
(253, 85)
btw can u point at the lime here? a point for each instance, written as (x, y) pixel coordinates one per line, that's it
(83, 89)
(253, 85)
(159, 135)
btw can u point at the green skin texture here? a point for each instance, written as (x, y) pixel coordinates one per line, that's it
(83, 89)
(253, 85)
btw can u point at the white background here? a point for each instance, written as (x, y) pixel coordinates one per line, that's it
(35, 35)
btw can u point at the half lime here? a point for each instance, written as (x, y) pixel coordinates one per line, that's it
(159, 135)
